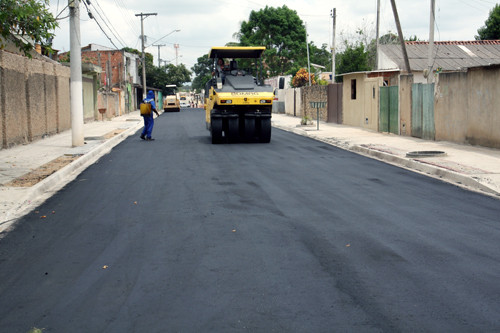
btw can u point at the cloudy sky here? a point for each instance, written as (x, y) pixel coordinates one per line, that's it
(203, 24)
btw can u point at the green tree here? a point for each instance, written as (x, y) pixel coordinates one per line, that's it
(202, 71)
(177, 75)
(281, 31)
(491, 28)
(159, 77)
(353, 59)
(131, 50)
(30, 19)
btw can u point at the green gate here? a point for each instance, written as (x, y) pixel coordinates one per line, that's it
(389, 116)
(422, 111)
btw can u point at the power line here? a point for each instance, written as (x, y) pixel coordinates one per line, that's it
(91, 16)
(128, 17)
(103, 17)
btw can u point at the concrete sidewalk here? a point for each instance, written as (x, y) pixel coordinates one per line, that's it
(475, 168)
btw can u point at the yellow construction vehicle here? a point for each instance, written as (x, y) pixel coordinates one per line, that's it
(171, 101)
(237, 103)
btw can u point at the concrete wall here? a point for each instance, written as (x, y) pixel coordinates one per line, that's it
(405, 101)
(467, 108)
(293, 102)
(34, 98)
(111, 102)
(363, 111)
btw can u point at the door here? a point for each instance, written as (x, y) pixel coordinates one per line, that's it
(422, 111)
(389, 110)
(334, 107)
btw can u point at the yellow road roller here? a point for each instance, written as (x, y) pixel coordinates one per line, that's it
(237, 103)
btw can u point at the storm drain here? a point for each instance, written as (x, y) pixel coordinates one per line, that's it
(426, 153)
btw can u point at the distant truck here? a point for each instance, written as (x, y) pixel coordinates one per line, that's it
(171, 102)
(185, 103)
(237, 103)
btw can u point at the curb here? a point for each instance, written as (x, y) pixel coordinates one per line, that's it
(407, 163)
(38, 193)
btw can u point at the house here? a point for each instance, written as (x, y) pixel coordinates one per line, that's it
(461, 106)
(116, 81)
(448, 56)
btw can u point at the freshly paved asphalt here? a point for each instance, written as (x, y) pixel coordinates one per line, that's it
(180, 235)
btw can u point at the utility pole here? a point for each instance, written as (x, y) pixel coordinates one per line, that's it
(401, 38)
(378, 34)
(76, 103)
(143, 57)
(176, 46)
(334, 16)
(308, 63)
(159, 45)
(431, 43)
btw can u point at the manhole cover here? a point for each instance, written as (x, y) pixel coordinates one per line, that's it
(425, 153)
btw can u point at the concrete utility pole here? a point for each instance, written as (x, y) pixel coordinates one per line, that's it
(176, 46)
(334, 16)
(159, 45)
(378, 34)
(430, 63)
(308, 63)
(76, 102)
(143, 57)
(401, 38)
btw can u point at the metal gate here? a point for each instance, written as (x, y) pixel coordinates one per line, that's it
(334, 106)
(389, 115)
(422, 111)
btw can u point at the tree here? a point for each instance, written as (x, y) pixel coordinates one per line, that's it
(177, 75)
(203, 72)
(491, 28)
(353, 59)
(159, 77)
(281, 31)
(321, 56)
(28, 19)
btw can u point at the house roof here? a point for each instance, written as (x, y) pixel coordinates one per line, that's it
(449, 55)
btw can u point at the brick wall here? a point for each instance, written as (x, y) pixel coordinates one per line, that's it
(111, 63)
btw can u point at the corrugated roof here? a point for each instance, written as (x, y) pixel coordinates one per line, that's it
(449, 56)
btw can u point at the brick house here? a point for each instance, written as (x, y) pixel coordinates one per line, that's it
(116, 84)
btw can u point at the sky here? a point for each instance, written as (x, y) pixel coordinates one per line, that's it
(204, 24)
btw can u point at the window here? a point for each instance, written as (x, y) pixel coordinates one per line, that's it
(353, 89)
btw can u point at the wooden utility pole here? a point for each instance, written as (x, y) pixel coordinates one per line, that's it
(143, 57)
(401, 38)
(430, 60)
(308, 62)
(377, 37)
(334, 16)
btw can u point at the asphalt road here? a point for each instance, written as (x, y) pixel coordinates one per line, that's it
(179, 235)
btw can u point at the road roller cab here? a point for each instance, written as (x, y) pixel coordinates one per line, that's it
(237, 103)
